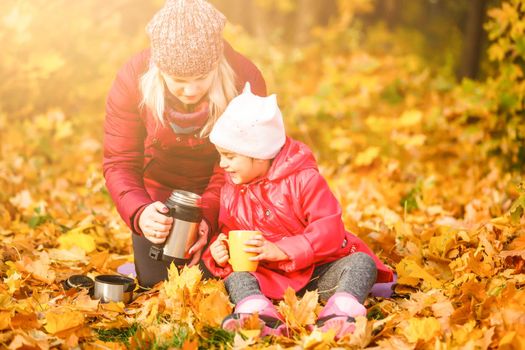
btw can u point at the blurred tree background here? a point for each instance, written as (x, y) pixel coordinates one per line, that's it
(62, 55)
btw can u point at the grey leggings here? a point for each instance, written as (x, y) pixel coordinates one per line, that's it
(354, 274)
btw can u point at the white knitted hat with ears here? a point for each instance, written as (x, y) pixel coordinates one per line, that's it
(251, 126)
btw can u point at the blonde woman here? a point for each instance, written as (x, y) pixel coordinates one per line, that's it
(160, 110)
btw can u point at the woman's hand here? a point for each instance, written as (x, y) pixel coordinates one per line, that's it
(196, 249)
(219, 251)
(265, 250)
(155, 225)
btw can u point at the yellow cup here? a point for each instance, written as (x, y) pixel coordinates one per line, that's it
(239, 259)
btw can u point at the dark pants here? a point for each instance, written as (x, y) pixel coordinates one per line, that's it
(149, 271)
(354, 274)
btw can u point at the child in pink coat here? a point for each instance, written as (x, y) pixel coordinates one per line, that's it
(273, 186)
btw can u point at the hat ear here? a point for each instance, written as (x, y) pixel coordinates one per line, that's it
(247, 88)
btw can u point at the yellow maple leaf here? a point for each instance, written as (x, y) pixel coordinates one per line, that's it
(299, 313)
(441, 244)
(408, 268)
(75, 253)
(421, 329)
(310, 341)
(188, 278)
(114, 306)
(77, 238)
(57, 321)
(13, 280)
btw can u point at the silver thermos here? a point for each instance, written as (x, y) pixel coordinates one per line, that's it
(185, 208)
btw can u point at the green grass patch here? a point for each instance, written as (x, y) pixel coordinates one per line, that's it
(117, 335)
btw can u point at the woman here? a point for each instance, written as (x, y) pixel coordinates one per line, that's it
(160, 110)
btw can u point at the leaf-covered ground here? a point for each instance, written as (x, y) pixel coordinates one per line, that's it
(456, 242)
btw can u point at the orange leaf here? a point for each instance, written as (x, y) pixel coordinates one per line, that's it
(61, 321)
(214, 308)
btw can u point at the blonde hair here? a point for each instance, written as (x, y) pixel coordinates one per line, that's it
(222, 90)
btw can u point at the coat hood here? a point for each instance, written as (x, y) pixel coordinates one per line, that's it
(294, 157)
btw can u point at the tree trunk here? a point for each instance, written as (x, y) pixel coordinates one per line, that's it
(305, 18)
(473, 39)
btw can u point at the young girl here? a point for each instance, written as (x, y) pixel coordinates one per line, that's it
(273, 186)
(159, 112)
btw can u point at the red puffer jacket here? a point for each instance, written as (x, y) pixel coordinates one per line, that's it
(294, 208)
(144, 160)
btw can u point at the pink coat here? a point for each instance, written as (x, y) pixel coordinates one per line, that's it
(294, 208)
(144, 161)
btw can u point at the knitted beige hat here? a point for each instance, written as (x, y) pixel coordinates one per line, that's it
(186, 37)
(251, 126)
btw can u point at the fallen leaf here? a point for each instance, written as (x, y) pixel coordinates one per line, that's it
(79, 239)
(58, 321)
(5, 320)
(409, 268)
(40, 269)
(299, 312)
(213, 308)
(421, 329)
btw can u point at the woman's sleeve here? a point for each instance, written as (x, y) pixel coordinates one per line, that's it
(211, 197)
(324, 233)
(124, 134)
(257, 83)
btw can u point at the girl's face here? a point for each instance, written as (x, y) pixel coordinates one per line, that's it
(189, 90)
(242, 169)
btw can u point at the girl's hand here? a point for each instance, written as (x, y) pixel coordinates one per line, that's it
(196, 249)
(265, 250)
(154, 225)
(219, 251)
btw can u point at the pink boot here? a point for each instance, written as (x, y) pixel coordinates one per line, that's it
(273, 323)
(338, 314)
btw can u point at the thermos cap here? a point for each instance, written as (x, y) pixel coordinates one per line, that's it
(186, 198)
(79, 281)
